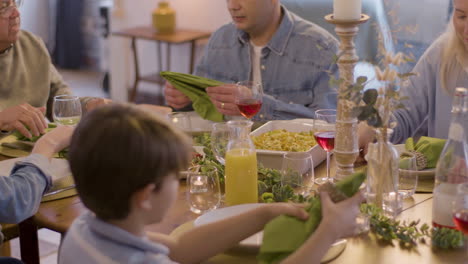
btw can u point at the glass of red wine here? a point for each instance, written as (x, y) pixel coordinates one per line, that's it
(324, 133)
(249, 98)
(460, 208)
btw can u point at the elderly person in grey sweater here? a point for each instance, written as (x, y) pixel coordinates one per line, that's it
(29, 81)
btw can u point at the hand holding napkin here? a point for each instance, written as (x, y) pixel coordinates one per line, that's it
(427, 151)
(194, 88)
(284, 234)
(20, 136)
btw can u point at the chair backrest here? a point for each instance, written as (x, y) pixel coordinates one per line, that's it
(367, 38)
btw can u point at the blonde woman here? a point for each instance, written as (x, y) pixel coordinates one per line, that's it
(442, 68)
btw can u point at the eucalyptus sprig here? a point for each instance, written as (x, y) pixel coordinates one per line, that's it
(409, 234)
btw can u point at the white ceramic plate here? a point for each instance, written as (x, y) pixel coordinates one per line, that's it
(255, 241)
(190, 122)
(426, 173)
(273, 159)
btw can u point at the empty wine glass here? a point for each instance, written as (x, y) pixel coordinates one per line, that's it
(219, 141)
(249, 98)
(407, 175)
(203, 191)
(460, 208)
(298, 172)
(180, 120)
(67, 110)
(324, 133)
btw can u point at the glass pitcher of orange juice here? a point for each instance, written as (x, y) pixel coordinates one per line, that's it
(241, 165)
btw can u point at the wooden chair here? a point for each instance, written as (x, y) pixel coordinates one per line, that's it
(29, 242)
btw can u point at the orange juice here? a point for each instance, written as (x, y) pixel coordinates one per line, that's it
(241, 176)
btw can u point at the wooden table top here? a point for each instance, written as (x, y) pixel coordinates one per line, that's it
(149, 33)
(368, 250)
(58, 216)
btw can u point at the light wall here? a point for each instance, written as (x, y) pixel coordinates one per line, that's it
(205, 15)
(35, 18)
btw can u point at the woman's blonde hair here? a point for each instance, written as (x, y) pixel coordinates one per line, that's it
(453, 54)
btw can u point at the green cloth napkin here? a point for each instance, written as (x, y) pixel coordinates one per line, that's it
(20, 136)
(284, 234)
(429, 147)
(194, 88)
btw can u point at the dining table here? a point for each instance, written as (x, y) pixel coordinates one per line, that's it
(58, 216)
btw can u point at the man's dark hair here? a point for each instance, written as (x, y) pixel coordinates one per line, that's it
(117, 150)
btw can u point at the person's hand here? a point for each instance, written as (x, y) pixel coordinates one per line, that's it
(28, 120)
(291, 209)
(341, 217)
(95, 102)
(54, 141)
(224, 98)
(174, 97)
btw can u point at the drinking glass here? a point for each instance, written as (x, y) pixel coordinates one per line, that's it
(67, 110)
(460, 208)
(219, 141)
(180, 120)
(324, 133)
(408, 175)
(249, 98)
(298, 172)
(203, 191)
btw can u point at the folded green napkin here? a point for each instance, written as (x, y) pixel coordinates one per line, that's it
(194, 88)
(284, 234)
(427, 152)
(20, 136)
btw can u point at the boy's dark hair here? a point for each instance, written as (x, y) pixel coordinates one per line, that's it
(117, 150)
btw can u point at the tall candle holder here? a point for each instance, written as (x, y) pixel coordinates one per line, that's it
(346, 142)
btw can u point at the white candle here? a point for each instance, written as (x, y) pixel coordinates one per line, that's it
(347, 9)
(198, 183)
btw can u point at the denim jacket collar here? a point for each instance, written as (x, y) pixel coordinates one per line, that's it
(281, 37)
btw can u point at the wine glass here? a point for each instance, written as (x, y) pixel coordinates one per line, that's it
(249, 98)
(324, 133)
(407, 175)
(219, 141)
(298, 172)
(460, 208)
(67, 110)
(203, 191)
(181, 120)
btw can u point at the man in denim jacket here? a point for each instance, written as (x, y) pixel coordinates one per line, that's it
(291, 57)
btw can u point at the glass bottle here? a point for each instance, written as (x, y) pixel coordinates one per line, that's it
(164, 18)
(241, 165)
(452, 167)
(382, 175)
